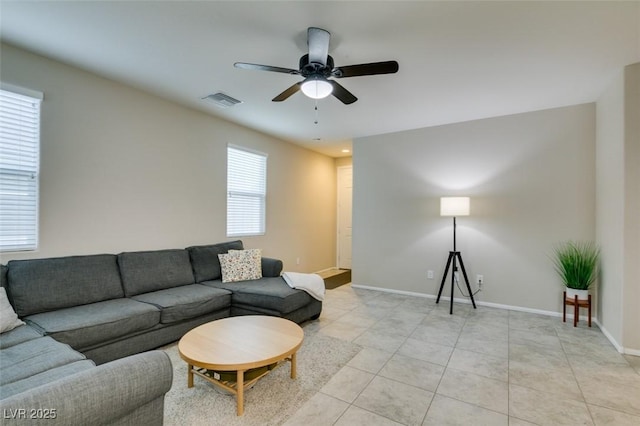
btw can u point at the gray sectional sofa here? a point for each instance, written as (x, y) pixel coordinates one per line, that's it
(90, 319)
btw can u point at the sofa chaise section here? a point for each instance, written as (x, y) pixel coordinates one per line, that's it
(31, 363)
(269, 295)
(33, 357)
(128, 391)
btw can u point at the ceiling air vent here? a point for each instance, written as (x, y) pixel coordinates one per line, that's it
(222, 100)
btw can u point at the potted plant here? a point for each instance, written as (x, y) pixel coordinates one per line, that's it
(576, 263)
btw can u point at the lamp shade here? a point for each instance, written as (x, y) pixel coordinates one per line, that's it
(454, 206)
(316, 87)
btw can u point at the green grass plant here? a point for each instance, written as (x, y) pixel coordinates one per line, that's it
(576, 263)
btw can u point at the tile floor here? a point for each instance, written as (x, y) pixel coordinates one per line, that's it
(421, 366)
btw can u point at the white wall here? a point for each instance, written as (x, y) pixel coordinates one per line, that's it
(618, 207)
(610, 205)
(124, 170)
(631, 309)
(531, 180)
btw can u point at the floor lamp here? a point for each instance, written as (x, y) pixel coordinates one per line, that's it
(454, 206)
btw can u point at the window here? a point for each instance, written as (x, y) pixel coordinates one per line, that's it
(19, 168)
(246, 192)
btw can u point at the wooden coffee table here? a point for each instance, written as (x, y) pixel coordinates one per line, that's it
(239, 344)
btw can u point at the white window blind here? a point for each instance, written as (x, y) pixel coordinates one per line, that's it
(19, 168)
(246, 192)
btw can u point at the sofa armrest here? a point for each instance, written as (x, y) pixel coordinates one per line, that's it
(271, 267)
(126, 391)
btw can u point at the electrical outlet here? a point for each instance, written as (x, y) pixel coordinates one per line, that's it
(297, 260)
(479, 280)
(429, 275)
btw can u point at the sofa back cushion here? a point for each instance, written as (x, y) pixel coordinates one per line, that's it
(205, 262)
(147, 271)
(42, 285)
(3, 281)
(3, 275)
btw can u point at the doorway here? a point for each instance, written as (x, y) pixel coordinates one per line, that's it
(345, 195)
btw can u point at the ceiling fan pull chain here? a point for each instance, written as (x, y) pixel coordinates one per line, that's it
(316, 108)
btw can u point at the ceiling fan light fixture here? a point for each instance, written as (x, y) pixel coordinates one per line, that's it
(316, 87)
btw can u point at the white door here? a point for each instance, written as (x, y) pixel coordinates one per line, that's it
(345, 193)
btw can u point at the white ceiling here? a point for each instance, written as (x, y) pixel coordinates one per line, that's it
(458, 60)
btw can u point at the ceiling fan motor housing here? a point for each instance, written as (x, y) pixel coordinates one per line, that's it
(314, 68)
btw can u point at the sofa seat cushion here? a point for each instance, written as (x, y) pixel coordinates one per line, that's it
(186, 302)
(18, 335)
(86, 325)
(268, 293)
(47, 376)
(34, 357)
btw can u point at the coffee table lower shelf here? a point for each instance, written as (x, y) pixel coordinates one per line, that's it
(238, 386)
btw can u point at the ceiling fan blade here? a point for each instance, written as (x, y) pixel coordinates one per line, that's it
(288, 92)
(345, 96)
(387, 67)
(259, 67)
(318, 41)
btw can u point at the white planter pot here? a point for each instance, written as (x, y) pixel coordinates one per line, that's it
(582, 294)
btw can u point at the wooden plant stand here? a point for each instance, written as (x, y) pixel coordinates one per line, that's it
(577, 304)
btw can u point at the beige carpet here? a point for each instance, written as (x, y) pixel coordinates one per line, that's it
(271, 401)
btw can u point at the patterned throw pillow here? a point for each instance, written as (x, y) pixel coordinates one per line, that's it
(241, 265)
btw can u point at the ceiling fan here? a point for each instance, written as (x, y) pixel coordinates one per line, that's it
(317, 66)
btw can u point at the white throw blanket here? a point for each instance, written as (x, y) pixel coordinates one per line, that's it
(311, 283)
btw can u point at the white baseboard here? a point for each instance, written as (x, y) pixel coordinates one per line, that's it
(634, 352)
(389, 290)
(608, 335)
(467, 301)
(613, 341)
